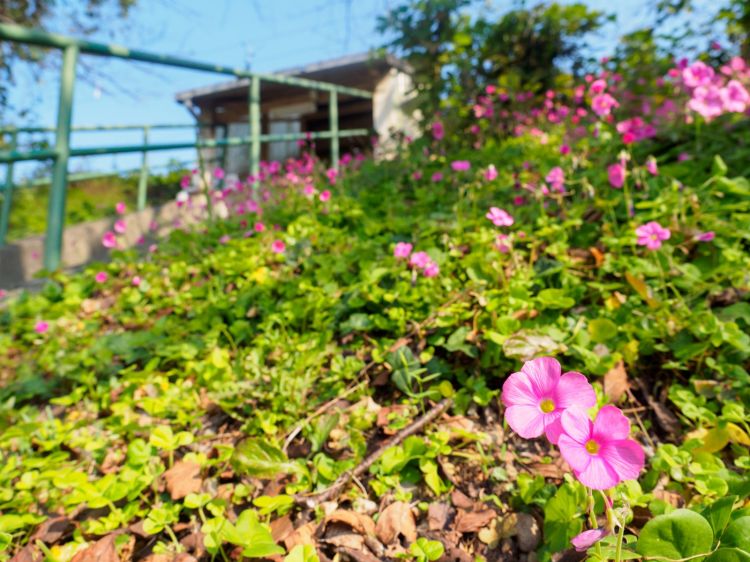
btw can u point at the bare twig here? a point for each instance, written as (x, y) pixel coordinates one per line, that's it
(361, 468)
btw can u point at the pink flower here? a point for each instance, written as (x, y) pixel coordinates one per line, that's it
(185, 182)
(41, 327)
(101, 277)
(3, 293)
(259, 227)
(564, 149)
(491, 173)
(308, 190)
(651, 166)
(556, 178)
(436, 177)
(332, 174)
(583, 541)
(598, 86)
(601, 453)
(325, 195)
(616, 174)
(603, 104)
(460, 165)
(416, 175)
(136, 281)
(707, 101)
(120, 227)
(651, 235)
(697, 74)
(431, 269)
(706, 236)
(499, 217)
(152, 248)
(109, 240)
(438, 131)
(225, 239)
(537, 396)
(420, 259)
(120, 208)
(219, 173)
(503, 244)
(278, 247)
(735, 97)
(402, 250)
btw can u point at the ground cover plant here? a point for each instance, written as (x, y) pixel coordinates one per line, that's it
(522, 339)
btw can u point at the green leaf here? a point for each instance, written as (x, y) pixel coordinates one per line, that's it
(554, 298)
(602, 329)
(253, 535)
(302, 553)
(729, 555)
(737, 534)
(269, 504)
(718, 513)
(561, 516)
(679, 534)
(258, 458)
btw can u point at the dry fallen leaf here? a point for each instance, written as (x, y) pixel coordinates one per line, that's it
(472, 521)
(304, 534)
(52, 530)
(437, 516)
(103, 550)
(360, 522)
(281, 528)
(183, 479)
(616, 382)
(396, 519)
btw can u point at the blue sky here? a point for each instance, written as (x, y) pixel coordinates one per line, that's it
(267, 34)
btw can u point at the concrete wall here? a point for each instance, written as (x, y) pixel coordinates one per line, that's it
(389, 117)
(82, 243)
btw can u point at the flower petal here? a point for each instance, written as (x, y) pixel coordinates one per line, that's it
(583, 541)
(626, 457)
(527, 421)
(611, 424)
(574, 389)
(517, 391)
(598, 474)
(552, 426)
(543, 374)
(576, 423)
(574, 453)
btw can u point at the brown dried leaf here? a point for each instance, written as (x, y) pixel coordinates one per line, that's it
(437, 516)
(304, 534)
(461, 500)
(28, 553)
(357, 555)
(472, 521)
(182, 479)
(396, 519)
(52, 530)
(103, 550)
(616, 382)
(281, 528)
(360, 522)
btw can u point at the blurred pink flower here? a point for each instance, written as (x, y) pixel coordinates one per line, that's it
(556, 178)
(499, 217)
(419, 259)
(735, 97)
(402, 250)
(491, 173)
(436, 177)
(438, 131)
(697, 74)
(224, 239)
(219, 173)
(651, 166)
(460, 165)
(706, 236)
(598, 86)
(101, 277)
(616, 175)
(41, 327)
(278, 247)
(651, 235)
(325, 195)
(120, 208)
(603, 104)
(332, 174)
(503, 244)
(431, 269)
(707, 101)
(564, 149)
(136, 281)
(109, 240)
(583, 541)
(120, 226)
(259, 227)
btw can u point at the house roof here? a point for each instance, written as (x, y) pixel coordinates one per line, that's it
(360, 70)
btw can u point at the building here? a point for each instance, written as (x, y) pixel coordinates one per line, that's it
(291, 109)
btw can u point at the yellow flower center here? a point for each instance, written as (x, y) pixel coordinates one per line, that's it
(592, 447)
(547, 406)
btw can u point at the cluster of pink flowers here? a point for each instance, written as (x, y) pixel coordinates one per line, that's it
(602, 103)
(556, 179)
(635, 130)
(540, 399)
(651, 235)
(713, 94)
(418, 260)
(616, 174)
(460, 165)
(499, 217)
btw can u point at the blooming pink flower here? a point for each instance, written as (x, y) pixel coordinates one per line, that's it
(603, 104)
(420, 259)
(735, 97)
(278, 247)
(556, 178)
(416, 175)
(185, 182)
(402, 250)
(120, 208)
(697, 74)
(706, 236)
(651, 166)
(564, 149)
(332, 174)
(536, 397)
(325, 195)
(601, 453)
(431, 269)
(219, 173)
(109, 240)
(41, 327)
(651, 235)
(583, 541)
(598, 86)
(309, 190)
(499, 217)
(491, 173)
(460, 165)
(120, 227)
(259, 227)
(707, 101)
(136, 281)
(616, 175)
(101, 277)
(436, 177)
(438, 131)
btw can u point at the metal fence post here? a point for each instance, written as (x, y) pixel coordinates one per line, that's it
(254, 124)
(143, 179)
(58, 191)
(7, 192)
(333, 120)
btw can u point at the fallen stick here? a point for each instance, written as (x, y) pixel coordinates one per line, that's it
(414, 427)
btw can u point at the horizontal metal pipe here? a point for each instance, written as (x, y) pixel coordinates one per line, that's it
(93, 128)
(15, 156)
(22, 34)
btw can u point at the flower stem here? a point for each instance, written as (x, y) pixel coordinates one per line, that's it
(618, 548)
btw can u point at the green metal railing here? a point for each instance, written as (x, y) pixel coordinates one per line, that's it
(61, 153)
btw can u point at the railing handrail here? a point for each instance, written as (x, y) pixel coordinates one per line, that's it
(8, 129)
(62, 151)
